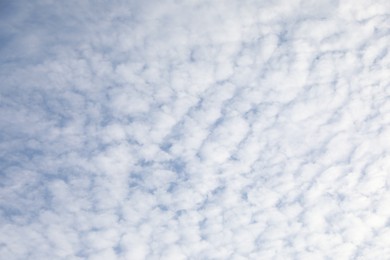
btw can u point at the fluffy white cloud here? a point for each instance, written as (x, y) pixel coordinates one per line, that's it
(194, 130)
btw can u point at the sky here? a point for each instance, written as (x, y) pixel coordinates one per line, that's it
(224, 129)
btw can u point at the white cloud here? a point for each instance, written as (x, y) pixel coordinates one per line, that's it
(196, 130)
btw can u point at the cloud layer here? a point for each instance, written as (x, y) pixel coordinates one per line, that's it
(194, 130)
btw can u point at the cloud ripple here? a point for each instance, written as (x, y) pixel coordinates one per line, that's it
(194, 130)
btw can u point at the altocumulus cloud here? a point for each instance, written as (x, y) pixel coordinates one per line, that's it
(194, 129)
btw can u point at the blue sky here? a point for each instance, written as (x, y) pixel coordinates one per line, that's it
(194, 129)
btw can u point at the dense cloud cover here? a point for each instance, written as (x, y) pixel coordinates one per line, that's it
(170, 129)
